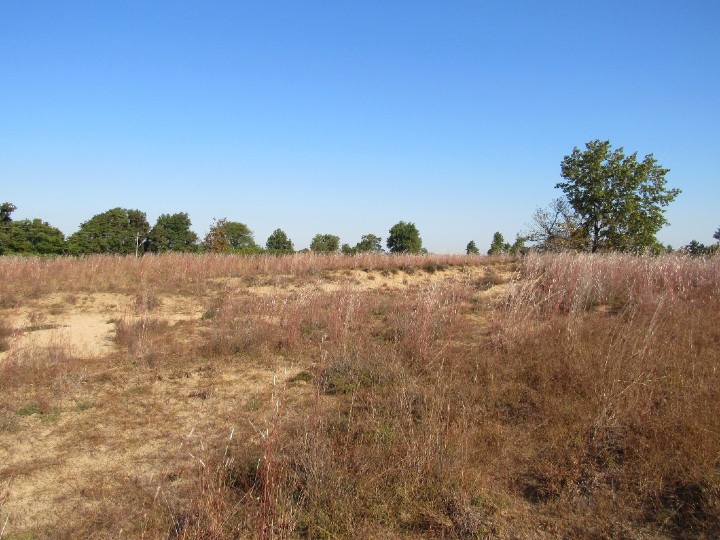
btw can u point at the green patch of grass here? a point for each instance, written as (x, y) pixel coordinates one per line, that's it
(302, 377)
(29, 410)
(36, 327)
(84, 406)
(44, 411)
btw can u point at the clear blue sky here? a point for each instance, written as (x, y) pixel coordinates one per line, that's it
(345, 117)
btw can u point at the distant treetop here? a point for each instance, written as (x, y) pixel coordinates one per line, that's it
(404, 238)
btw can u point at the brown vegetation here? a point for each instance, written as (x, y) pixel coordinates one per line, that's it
(362, 397)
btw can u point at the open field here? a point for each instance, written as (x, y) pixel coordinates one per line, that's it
(374, 396)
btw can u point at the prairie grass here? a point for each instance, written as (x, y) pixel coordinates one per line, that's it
(187, 273)
(556, 396)
(6, 332)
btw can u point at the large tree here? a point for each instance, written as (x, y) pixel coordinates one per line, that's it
(619, 200)
(404, 238)
(28, 236)
(369, 243)
(119, 230)
(240, 238)
(172, 232)
(325, 243)
(279, 243)
(231, 236)
(33, 237)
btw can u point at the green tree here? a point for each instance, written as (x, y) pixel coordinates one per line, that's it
(471, 248)
(325, 243)
(231, 236)
(518, 247)
(28, 236)
(694, 248)
(119, 231)
(240, 238)
(716, 236)
(34, 236)
(171, 232)
(345, 249)
(619, 201)
(6, 210)
(404, 238)
(498, 245)
(369, 243)
(279, 243)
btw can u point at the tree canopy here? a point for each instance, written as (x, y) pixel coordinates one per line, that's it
(6, 210)
(240, 237)
(171, 232)
(325, 243)
(471, 248)
(404, 238)
(119, 231)
(498, 245)
(230, 236)
(28, 236)
(279, 243)
(33, 236)
(369, 243)
(518, 247)
(619, 200)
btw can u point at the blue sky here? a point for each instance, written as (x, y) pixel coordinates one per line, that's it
(346, 117)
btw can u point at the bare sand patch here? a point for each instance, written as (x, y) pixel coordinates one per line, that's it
(83, 324)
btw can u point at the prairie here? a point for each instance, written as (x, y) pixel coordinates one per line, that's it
(372, 396)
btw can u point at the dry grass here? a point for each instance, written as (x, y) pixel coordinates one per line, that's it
(370, 396)
(29, 277)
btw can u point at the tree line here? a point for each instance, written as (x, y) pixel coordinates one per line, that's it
(123, 231)
(610, 202)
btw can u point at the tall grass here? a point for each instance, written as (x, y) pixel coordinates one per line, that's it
(616, 357)
(582, 401)
(594, 402)
(178, 272)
